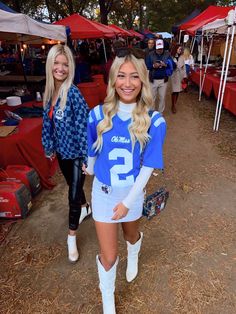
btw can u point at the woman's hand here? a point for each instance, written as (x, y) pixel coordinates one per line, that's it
(120, 211)
(84, 169)
(89, 168)
(51, 157)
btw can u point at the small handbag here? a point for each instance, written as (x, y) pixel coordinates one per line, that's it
(155, 203)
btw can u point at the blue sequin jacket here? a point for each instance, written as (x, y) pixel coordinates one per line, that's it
(66, 133)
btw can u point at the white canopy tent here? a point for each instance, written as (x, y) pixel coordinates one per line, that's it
(218, 27)
(165, 35)
(18, 27)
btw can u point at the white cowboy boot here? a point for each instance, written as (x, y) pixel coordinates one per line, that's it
(132, 259)
(73, 254)
(107, 286)
(85, 212)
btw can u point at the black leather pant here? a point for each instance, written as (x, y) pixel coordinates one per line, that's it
(72, 171)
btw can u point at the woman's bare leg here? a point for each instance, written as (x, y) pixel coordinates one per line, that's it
(131, 231)
(107, 234)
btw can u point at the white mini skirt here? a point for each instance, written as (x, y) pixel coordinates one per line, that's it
(105, 198)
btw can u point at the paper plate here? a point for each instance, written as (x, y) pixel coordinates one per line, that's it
(13, 101)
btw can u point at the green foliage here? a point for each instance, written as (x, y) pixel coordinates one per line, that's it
(48, 9)
(226, 2)
(125, 12)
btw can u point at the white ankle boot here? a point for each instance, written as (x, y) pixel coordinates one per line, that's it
(132, 259)
(107, 286)
(73, 254)
(85, 211)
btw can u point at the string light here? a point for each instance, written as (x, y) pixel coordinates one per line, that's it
(24, 46)
(43, 47)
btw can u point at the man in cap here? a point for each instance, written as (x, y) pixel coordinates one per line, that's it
(160, 66)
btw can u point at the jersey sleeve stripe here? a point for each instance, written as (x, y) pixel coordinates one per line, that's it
(97, 113)
(90, 117)
(154, 113)
(159, 121)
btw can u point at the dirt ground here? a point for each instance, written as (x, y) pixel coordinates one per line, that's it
(188, 257)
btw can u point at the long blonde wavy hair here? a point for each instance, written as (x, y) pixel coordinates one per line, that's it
(187, 53)
(50, 86)
(141, 120)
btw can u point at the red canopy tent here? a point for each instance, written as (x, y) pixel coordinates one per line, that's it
(82, 28)
(122, 31)
(107, 28)
(136, 34)
(210, 14)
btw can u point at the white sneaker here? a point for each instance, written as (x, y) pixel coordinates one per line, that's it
(85, 212)
(73, 254)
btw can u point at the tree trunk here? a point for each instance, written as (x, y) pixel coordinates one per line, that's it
(70, 7)
(16, 6)
(105, 8)
(140, 16)
(103, 12)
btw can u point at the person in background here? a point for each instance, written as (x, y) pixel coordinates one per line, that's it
(189, 61)
(160, 66)
(202, 52)
(178, 75)
(135, 43)
(64, 134)
(84, 50)
(118, 42)
(218, 61)
(122, 135)
(189, 64)
(151, 47)
(93, 54)
(166, 43)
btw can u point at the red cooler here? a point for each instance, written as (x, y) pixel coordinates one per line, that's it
(15, 200)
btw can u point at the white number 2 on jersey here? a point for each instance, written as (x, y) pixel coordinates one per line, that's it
(121, 169)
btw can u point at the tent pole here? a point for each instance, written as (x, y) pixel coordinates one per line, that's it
(208, 57)
(225, 78)
(191, 43)
(221, 79)
(104, 48)
(22, 65)
(180, 32)
(200, 79)
(191, 50)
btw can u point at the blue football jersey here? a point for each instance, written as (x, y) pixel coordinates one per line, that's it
(116, 164)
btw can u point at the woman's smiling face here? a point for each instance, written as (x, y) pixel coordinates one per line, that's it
(128, 84)
(60, 69)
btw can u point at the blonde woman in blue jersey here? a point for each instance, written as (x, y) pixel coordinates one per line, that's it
(125, 140)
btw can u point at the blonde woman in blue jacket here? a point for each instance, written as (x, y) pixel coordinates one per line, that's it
(64, 134)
